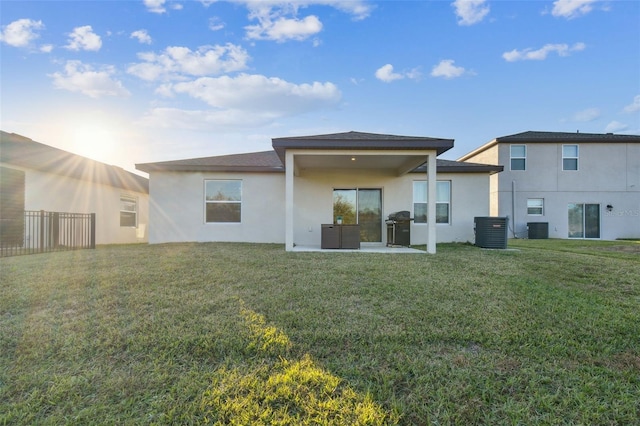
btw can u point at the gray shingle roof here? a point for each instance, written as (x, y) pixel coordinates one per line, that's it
(360, 140)
(265, 161)
(533, 136)
(23, 152)
(448, 166)
(268, 161)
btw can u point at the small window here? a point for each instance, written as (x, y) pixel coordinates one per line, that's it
(128, 212)
(535, 206)
(518, 157)
(223, 201)
(443, 201)
(569, 157)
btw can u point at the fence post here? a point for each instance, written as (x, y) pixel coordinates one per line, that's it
(41, 231)
(93, 230)
(56, 229)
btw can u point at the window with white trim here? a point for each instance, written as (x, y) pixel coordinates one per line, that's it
(443, 201)
(569, 157)
(128, 211)
(518, 157)
(535, 206)
(223, 201)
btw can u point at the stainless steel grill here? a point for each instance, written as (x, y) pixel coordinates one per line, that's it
(399, 228)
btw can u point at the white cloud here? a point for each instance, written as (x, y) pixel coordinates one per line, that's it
(259, 93)
(615, 126)
(78, 77)
(283, 29)
(633, 106)
(470, 12)
(215, 24)
(245, 100)
(83, 38)
(20, 33)
(46, 48)
(385, 73)
(176, 62)
(571, 8)
(447, 70)
(278, 20)
(155, 6)
(142, 36)
(587, 115)
(542, 53)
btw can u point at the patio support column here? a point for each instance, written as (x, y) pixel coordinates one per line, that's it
(288, 201)
(431, 203)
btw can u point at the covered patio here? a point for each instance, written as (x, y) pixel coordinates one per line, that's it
(361, 153)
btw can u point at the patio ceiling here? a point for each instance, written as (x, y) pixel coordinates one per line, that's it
(396, 163)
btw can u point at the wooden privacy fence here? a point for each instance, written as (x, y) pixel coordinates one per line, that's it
(41, 231)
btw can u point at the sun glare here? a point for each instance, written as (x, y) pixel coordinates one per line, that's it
(94, 141)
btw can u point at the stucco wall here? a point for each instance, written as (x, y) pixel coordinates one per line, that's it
(177, 210)
(45, 191)
(177, 205)
(608, 174)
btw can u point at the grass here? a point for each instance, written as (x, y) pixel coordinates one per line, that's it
(547, 332)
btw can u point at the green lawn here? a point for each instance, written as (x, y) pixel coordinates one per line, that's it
(547, 332)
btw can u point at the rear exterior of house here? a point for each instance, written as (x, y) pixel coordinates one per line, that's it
(286, 195)
(577, 185)
(39, 177)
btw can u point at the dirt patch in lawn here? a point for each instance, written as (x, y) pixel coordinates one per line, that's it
(623, 249)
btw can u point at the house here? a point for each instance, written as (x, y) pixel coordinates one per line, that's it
(34, 176)
(580, 185)
(285, 195)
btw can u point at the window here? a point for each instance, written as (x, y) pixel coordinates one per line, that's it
(518, 157)
(535, 206)
(223, 201)
(569, 157)
(128, 211)
(443, 201)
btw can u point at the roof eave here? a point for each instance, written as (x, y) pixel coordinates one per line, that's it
(280, 145)
(154, 167)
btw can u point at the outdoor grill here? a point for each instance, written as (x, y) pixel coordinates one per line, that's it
(399, 228)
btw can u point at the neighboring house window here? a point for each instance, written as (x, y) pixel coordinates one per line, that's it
(443, 201)
(535, 206)
(569, 157)
(223, 201)
(128, 211)
(518, 157)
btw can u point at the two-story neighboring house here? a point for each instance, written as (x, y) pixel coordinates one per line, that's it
(581, 185)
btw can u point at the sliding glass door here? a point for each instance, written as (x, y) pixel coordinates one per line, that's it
(362, 206)
(584, 220)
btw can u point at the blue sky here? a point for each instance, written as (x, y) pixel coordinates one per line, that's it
(129, 82)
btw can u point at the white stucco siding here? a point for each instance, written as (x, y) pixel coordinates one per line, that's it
(55, 193)
(178, 213)
(177, 208)
(313, 198)
(469, 198)
(623, 221)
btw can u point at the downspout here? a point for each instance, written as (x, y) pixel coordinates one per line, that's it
(513, 208)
